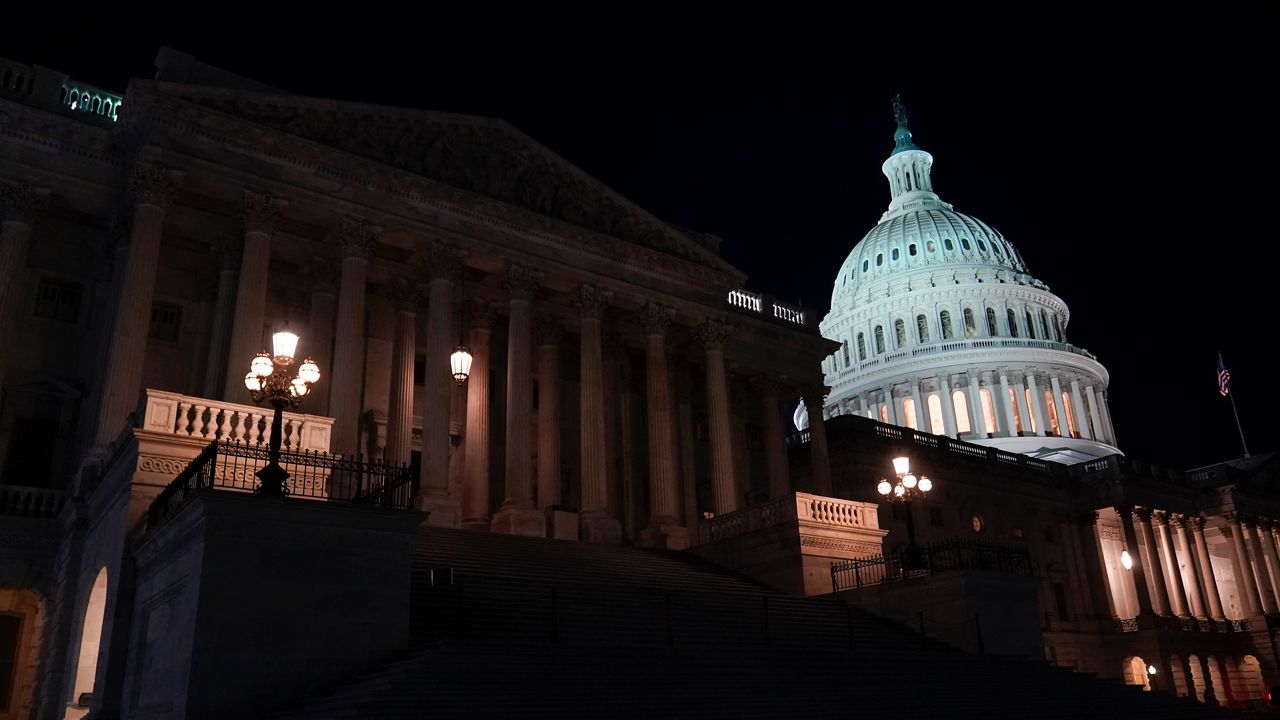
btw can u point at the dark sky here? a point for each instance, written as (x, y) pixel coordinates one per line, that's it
(1127, 152)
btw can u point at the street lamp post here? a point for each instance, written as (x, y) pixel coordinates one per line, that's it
(269, 379)
(908, 488)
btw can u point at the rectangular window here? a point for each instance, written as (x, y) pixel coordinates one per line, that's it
(166, 322)
(58, 300)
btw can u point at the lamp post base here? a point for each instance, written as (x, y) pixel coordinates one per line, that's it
(271, 480)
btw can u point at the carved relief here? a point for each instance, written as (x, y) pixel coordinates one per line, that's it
(441, 260)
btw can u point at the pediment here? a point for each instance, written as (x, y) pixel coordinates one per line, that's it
(476, 154)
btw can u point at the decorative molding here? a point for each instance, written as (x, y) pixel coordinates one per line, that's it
(591, 301)
(405, 296)
(357, 238)
(166, 464)
(656, 318)
(259, 213)
(152, 184)
(822, 542)
(441, 261)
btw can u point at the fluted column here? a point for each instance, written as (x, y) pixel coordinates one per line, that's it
(1009, 426)
(547, 334)
(664, 528)
(775, 449)
(1095, 417)
(518, 516)
(19, 206)
(226, 253)
(1183, 544)
(595, 523)
(442, 265)
(357, 240)
(1153, 567)
(891, 408)
(259, 214)
(948, 407)
(475, 493)
(1082, 417)
(1245, 584)
(318, 342)
(1106, 418)
(405, 298)
(150, 186)
(1263, 531)
(724, 495)
(1257, 555)
(1208, 580)
(1064, 429)
(1177, 594)
(819, 458)
(1038, 410)
(977, 422)
(922, 410)
(1101, 576)
(1147, 561)
(1024, 413)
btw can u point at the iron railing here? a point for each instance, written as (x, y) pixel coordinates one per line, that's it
(935, 557)
(314, 476)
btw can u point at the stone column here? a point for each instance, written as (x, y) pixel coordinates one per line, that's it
(863, 407)
(475, 494)
(318, 343)
(1024, 412)
(922, 410)
(1182, 543)
(948, 406)
(19, 205)
(1009, 424)
(1149, 559)
(405, 297)
(1082, 417)
(259, 214)
(345, 388)
(1106, 418)
(664, 528)
(1255, 550)
(150, 186)
(547, 334)
(977, 422)
(1145, 562)
(891, 408)
(724, 495)
(1104, 582)
(1038, 410)
(775, 449)
(226, 253)
(1095, 418)
(595, 523)
(1245, 584)
(518, 516)
(1056, 389)
(1208, 583)
(819, 457)
(443, 265)
(1177, 595)
(1263, 531)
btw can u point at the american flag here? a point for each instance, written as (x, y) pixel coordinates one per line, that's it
(1224, 378)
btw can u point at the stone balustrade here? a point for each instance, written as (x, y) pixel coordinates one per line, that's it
(88, 99)
(31, 502)
(765, 305)
(811, 510)
(204, 419)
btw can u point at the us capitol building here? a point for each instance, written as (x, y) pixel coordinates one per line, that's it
(320, 409)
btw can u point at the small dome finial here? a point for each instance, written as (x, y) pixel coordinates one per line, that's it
(901, 136)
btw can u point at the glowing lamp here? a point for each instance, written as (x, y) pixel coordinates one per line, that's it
(884, 488)
(925, 484)
(298, 388)
(460, 363)
(262, 365)
(1126, 559)
(252, 381)
(1151, 669)
(899, 490)
(309, 371)
(901, 465)
(909, 481)
(284, 343)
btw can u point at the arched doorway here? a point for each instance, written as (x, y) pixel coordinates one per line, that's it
(1218, 682)
(1178, 675)
(1197, 676)
(90, 643)
(1135, 672)
(21, 630)
(1251, 678)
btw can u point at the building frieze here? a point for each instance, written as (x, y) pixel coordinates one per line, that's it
(1045, 360)
(63, 136)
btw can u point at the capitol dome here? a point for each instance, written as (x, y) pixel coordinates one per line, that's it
(943, 329)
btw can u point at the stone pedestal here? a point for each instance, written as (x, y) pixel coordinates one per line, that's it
(596, 526)
(562, 524)
(442, 510)
(665, 536)
(518, 519)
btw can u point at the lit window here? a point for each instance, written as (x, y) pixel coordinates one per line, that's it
(1031, 410)
(1031, 326)
(945, 319)
(961, 405)
(988, 410)
(996, 247)
(1017, 416)
(1070, 412)
(900, 333)
(58, 300)
(976, 521)
(931, 246)
(166, 321)
(909, 413)
(1052, 408)
(922, 328)
(936, 424)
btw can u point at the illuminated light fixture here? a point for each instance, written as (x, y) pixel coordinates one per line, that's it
(460, 363)
(1151, 669)
(899, 490)
(884, 488)
(269, 380)
(925, 484)
(901, 466)
(909, 481)
(285, 344)
(308, 371)
(1126, 559)
(262, 366)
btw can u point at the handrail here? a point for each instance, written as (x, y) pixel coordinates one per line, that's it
(932, 558)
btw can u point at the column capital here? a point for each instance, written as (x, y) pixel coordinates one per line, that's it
(943, 379)
(1233, 517)
(1196, 523)
(1178, 520)
(521, 281)
(656, 318)
(1089, 518)
(406, 296)
(547, 330)
(815, 394)
(441, 260)
(480, 314)
(226, 248)
(712, 333)
(1159, 518)
(259, 212)
(22, 202)
(152, 184)
(591, 300)
(357, 237)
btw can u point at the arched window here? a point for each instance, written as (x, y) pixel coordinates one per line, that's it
(1197, 677)
(931, 246)
(1057, 328)
(866, 265)
(1044, 326)
(1013, 322)
(879, 259)
(988, 410)
(1135, 673)
(1031, 410)
(862, 348)
(922, 328)
(946, 242)
(899, 333)
(961, 405)
(91, 637)
(964, 243)
(936, 425)
(895, 255)
(1179, 678)
(970, 325)
(908, 413)
(1251, 673)
(1017, 414)
(944, 318)
(879, 339)
(844, 347)
(992, 330)
(1031, 326)
(996, 247)
(911, 249)
(981, 245)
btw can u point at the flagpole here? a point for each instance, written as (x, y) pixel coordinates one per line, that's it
(1238, 427)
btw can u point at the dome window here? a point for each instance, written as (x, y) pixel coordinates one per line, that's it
(895, 255)
(1013, 322)
(931, 246)
(879, 259)
(964, 243)
(1031, 326)
(845, 351)
(992, 330)
(946, 242)
(866, 265)
(911, 249)
(981, 245)
(945, 320)
(900, 333)
(970, 326)
(922, 327)
(996, 247)
(862, 347)
(879, 339)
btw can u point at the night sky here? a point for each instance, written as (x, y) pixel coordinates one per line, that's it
(1126, 152)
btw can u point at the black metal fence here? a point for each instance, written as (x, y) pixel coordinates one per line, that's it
(942, 556)
(314, 476)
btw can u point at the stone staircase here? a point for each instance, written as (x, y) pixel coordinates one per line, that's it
(536, 628)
